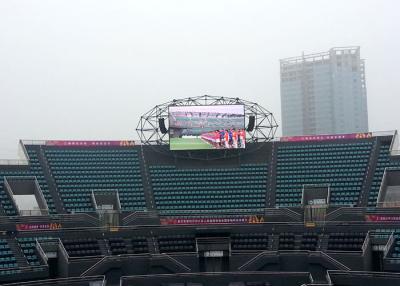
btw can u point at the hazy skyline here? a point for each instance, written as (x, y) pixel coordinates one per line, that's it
(89, 69)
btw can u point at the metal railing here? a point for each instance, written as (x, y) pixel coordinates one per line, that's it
(334, 261)
(365, 244)
(395, 204)
(388, 245)
(41, 252)
(10, 162)
(38, 212)
(173, 260)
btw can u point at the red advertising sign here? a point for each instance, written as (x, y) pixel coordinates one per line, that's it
(86, 143)
(326, 137)
(382, 218)
(45, 226)
(213, 220)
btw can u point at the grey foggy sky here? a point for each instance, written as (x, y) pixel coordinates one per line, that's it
(89, 69)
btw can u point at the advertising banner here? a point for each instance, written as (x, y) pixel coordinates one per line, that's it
(382, 218)
(213, 220)
(89, 143)
(326, 137)
(45, 226)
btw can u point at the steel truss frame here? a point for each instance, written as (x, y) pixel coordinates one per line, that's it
(265, 125)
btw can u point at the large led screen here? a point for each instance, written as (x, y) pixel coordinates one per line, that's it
(206, 127)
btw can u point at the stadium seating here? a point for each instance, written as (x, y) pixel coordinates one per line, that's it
(123, 245)
(346, 241)
(7, 258)
(187, 200)
(215, 189)
(28, 246)
(395, 252)
(139, 244)
(177, 243)
(78, 172)
(5, 200)
(117, 246)
(286, 241)
(249, 241)
(309, 241)
(383, 162)
(82, 247)
(36, 170)
(342, 166)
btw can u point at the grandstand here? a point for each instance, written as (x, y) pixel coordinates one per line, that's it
(291, 211)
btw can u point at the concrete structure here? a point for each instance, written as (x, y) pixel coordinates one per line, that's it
(324, 93)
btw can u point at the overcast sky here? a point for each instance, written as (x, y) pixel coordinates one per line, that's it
(89, 69)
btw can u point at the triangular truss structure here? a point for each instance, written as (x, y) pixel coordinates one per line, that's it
(149, 132)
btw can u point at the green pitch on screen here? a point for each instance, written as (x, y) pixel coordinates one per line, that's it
(188, 144)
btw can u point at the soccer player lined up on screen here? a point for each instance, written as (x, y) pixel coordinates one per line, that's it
(206, 127)
(226, 138)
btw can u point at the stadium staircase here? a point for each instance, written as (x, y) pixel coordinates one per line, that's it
(323, 242)
(103, 245)
(51, 182)
(355, 212)
(148, 192)
(284, 214)
(285, 257)
(384, 160)
(36, 170)
(369, 174)
(274, 243)
(270, 194)
(138, 217)
(17, 251)
(161, 260)
(152, 244)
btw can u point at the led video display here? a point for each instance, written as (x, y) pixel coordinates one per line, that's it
(206, 127)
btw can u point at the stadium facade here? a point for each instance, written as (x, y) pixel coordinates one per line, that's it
(324, 93)
(299, 210)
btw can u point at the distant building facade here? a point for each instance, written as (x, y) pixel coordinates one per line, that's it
(324, 93)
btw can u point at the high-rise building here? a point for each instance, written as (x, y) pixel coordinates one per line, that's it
(324, 93)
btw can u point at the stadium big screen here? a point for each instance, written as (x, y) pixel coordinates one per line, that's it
(206, 127)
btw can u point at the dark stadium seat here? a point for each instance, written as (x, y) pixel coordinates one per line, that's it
(139, 245)
(209, 190)
(177, 243)
(7, 258)
(348, 241)
(341, 165)
(383, 162)
(34, 170)
(82, 247)
(117, 245)
(309, 241)
(78, 172)
(249, 241)
(28, 246)
(286, 241)
(186, 217)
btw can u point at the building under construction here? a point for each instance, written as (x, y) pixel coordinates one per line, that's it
(324, 93)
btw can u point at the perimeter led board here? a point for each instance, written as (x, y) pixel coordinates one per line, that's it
(203, 127)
